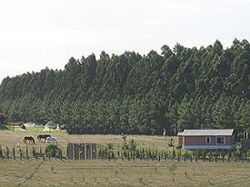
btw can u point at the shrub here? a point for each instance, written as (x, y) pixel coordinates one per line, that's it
(124, 137)
(178, 146)
(170, 144)
(52, 151)
(109, 151)
(173, 153)
(186, 154)
(132, 145)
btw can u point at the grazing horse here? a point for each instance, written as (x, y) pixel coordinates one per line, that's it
(28, 139)
(43, 136)
(51, 140)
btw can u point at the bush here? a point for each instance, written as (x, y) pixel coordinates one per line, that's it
(53, 151)
(186, 155)
(178, 146)
(170, 144)
(132, 145)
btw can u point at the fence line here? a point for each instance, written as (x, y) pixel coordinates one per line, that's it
(38, 153)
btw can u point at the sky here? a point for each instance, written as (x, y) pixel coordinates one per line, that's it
(35, 34)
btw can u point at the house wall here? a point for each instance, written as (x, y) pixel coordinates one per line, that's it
(194, 140)
(181, 140)
(200, 140)
(209, 147)
(230, 140)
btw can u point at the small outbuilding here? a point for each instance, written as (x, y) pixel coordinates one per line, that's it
(207, 139)
(82, 151)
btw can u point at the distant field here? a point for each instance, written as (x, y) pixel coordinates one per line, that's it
(10, 130)
(15, 139)
(126, 173)
(114, 173)
(38, 129)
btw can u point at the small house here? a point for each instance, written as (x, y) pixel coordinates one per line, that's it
(207, 139)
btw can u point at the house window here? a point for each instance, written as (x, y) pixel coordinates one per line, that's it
(208, 140)
(220, 140)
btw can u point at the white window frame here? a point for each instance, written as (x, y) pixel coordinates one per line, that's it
(207, 137)
(224, 140)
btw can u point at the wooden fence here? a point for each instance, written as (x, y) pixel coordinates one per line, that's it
(81, 151)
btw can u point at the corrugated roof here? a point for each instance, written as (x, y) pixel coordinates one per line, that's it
(206, 132)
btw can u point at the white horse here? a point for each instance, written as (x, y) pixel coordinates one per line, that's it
(51, 140)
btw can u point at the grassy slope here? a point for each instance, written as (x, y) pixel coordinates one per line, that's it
(115, 173)
(126, 173)
(14, 139)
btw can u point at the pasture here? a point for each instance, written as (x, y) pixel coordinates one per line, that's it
(15, 139)
(119, 172)
(122, 173)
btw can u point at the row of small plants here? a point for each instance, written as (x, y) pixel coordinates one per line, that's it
(128, 150)
(131, 151)
(51, 151)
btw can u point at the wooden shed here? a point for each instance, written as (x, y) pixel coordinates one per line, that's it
(207, 139)
(82, 151)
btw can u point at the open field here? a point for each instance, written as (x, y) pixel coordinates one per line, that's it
(9, 138)
(126, 173)
(115, 172)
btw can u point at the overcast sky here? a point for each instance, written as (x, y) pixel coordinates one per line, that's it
(35, 34)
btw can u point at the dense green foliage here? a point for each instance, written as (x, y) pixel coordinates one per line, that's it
(133, 94)
(53, 151)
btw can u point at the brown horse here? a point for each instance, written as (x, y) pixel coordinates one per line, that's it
(28, 139)
(43, 136)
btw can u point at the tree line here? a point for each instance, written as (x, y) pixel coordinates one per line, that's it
(138, 94)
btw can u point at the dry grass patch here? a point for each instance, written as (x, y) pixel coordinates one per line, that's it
(9, 138)
(126, 173)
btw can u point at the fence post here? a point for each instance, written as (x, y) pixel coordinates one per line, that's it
(27, 152)
(34, 153)
(14, 153)
(7, 153)
(21, 153)
(1, 152)
(60, 154)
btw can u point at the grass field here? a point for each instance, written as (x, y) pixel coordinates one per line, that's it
(15, 139)
(115, 173)
(122, 173)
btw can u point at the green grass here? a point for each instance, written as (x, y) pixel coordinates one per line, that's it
(40, 129)
(122, 173)
(115, 173)
(14, 139)
(4, 127)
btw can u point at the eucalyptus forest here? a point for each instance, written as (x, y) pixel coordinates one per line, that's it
(206, 87)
